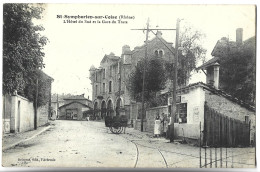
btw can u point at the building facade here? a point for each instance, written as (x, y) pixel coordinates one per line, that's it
(110, 95)
(194, 99)
(74, 107)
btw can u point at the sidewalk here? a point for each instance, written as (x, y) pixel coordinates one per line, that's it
(12, 139)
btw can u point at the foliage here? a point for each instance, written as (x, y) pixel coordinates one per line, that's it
(22, 49)
(237, 73)
(190, 52)
(44, 88)
(190, 49)
(155, 78)
(158, 73)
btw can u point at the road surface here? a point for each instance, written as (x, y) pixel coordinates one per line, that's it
(91, 144)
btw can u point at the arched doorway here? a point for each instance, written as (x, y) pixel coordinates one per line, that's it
(103, 109)
(110, 110)
(118, 106)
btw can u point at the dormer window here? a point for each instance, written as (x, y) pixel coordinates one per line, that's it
(158, 53)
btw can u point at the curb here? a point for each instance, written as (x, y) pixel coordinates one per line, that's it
(24, 140)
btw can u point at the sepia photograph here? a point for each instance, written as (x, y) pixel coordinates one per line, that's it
(143, 86)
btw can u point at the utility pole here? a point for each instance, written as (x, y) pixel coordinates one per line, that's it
(144, 68)
(119, 87)
(36, 105)
(147, 31)
(174, 83)
(57, 105)
(145, 57)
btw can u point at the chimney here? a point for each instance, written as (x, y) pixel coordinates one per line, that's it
(239, 36)
(159, 34)
(125, 48)
(216, 75)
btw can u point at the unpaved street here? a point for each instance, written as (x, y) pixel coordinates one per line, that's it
(90, 144)
(73, 144)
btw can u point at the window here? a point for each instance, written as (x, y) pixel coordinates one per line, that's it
(104, 73)
(110, 70)
(96, 89)
(118, 67)
(96, 76)
(181, 113)
(246, 119)
(158, 53)
(110, 87)
(104, 88)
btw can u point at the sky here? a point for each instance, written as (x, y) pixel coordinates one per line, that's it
(74, 47)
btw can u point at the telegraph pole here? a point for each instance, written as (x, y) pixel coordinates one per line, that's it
(119, 89)
(57, 105)
(143, 84)
(174, 83)
(145, 57)
(173, 109)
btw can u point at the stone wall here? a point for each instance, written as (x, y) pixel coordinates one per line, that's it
(135, 109)
(231, 109)
(42, 115)
(151, 114)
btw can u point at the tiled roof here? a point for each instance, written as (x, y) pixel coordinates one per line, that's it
(221, 49)
(76, 97)
(45, 75)
(220, 93)
(111, 56)
(138, 48)
(209, 63)
(74, 102)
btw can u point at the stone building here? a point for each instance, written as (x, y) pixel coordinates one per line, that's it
(74, 107)
(110, 95)
(191, 100)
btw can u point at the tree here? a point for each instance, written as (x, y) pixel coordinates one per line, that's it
(157, 75)
(191, 51)
(22, 49)
(22, 45)
(155, 78)
(237, 72)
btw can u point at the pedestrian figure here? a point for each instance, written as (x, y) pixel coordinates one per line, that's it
(168, 126)
(157, 126)
(164, 124)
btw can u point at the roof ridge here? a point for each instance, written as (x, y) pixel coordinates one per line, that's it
(221, 93)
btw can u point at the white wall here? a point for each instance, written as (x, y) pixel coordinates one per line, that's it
(25, 121)
(195, 98)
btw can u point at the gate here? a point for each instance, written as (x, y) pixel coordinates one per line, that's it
(220, 130)
(220, 133)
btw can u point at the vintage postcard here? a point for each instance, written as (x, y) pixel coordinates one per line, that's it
(129, 85)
